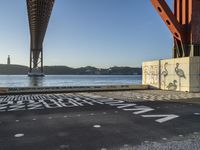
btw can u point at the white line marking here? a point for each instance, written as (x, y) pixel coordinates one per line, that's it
(164, 118)
(97, 126)
(198, 114)
(19, 135)
(164, 139)
(126, 105)
(139, 109)
(64, 146)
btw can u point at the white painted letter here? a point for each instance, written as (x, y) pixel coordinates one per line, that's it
(164, 118)
(139, 109)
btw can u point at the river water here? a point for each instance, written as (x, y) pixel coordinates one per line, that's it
(67, 80)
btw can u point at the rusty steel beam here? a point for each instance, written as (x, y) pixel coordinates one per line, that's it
(184, 24)
(168, 17)
(39, 12)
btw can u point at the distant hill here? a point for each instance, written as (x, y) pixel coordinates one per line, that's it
(64, 70)
(13, 69)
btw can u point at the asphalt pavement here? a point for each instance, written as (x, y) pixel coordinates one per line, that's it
(77, 122)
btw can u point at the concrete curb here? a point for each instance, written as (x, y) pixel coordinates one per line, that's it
(67, 89)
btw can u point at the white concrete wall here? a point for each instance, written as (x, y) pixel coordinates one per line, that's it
(195, 74)
(150, 71)
(180, 74)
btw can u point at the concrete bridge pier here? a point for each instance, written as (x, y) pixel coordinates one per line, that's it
(36, 67)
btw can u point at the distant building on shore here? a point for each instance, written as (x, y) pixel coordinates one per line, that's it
(8, 60)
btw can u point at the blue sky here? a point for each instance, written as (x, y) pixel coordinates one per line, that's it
(100, 33)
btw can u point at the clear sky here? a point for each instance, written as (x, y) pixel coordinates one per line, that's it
(100, 33)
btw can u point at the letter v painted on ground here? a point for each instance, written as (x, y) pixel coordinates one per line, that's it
(163, 118)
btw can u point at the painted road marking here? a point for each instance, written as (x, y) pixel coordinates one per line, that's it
(164, 139)
(50, 101)
(19, 135)
(139, 109)
(198, 114)
(195, 133)
(97, 126)
(164, 118)
(64, 146)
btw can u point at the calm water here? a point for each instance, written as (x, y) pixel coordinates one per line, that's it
(68, 80)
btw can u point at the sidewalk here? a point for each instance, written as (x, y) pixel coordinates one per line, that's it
(151, 95)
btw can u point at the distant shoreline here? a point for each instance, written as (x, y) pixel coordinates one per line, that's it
(64, 70)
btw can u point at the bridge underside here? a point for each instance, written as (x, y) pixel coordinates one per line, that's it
(39, 12)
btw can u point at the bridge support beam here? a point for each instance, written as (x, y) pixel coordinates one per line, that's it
(181, 73)
(184, 24)
(36, 69)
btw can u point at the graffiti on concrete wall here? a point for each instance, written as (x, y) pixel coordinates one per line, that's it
(167, 78)
(164, 73)
(173, 84)
(151, 74)
(180, 73)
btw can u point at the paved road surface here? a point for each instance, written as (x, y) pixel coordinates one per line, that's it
(77, 122)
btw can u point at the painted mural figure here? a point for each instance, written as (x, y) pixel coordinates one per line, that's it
(180, 73)
(172, 86)
(165, 73)
(155, 75)
(146, 73)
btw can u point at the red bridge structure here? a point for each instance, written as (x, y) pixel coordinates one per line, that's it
(184, 24)
(39, 12)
